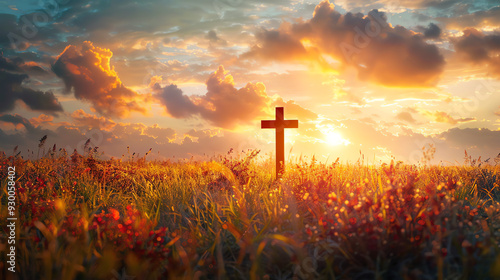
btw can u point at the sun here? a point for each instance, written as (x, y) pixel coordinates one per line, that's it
(334, 139)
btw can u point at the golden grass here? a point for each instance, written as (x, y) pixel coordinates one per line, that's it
(228, 218)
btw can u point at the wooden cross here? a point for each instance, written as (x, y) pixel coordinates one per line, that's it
(280, 124)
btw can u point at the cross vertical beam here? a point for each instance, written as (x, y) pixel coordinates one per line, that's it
(280, 124)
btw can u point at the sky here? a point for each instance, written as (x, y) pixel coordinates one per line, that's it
(376, 80)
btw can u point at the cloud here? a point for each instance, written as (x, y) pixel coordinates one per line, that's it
(16, 120)
(474, 137)
(200, 135)
(432, 31)
(8, 29)
(223, 104)
(138, 72)
(92, 121)
(478, 19)
(443, 117)
(160, 133)
(478, 48)
(440, 4)
(39, 100)
(276, 45)
(381, 53)
(41, 119)
(399, 5)
(213, 38)
(88, 72)
(405, 146)
(33, 68)
(12, 89)
(406, 116)
(177, 104)
(150, 134)
(295, 110)
(139, 137)
(145, 28)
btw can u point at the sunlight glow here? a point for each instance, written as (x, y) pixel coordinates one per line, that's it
(291, 136)
(334, 138)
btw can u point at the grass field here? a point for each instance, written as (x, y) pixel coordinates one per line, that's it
(228, 218)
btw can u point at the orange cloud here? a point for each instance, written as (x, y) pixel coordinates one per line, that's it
(223, 104)
(42, 119)
(92, 121)
(159, 133)
(88, 72)
(278, 45)
(381, 53)
(194, 135)
(443, 117)
(18, 121)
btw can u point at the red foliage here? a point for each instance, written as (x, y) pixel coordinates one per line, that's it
(130, 232)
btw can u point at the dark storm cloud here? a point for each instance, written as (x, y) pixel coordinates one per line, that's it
(12, 89)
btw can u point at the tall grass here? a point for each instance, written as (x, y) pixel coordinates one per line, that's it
(229, 218)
